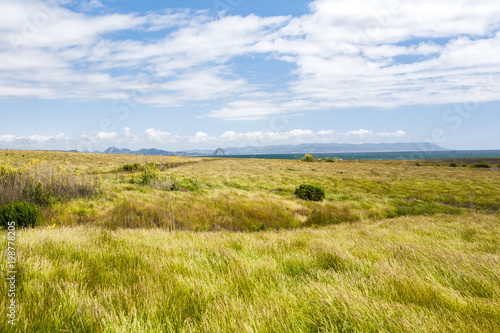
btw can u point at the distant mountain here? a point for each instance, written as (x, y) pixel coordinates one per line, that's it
(336, 148)
(114, 150)
(305, 148)
(153, 151)
(220, 152)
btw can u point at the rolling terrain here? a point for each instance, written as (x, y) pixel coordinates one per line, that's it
(189, 244)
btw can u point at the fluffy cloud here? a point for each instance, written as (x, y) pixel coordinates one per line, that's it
(395, 53)
(157, 136)
(389, 54)
(59, 141)
(91, 5)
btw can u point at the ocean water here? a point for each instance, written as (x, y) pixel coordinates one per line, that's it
(408, 155)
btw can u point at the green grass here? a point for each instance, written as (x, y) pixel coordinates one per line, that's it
(425, 274)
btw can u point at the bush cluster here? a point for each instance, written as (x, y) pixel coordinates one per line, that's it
(151, 177)
(308, 158)
(257, 228)
(24, 214)
(150, 174)
(310, 192)
(480, 165)
(131, 167)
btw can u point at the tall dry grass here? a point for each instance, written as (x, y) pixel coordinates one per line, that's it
(43, 183)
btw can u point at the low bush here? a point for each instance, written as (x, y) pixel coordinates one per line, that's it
(310, 192)
(24, 214)
(308, 158)
(150, 174)
(480, 165)
(257, 228)
(454, 165)
(131, 167)
(151, 177)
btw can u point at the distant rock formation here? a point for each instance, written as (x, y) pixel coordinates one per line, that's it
(220, 152)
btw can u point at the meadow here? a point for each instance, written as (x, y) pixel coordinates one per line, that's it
(132, 243)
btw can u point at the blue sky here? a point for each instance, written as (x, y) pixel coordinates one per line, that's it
(179, 75)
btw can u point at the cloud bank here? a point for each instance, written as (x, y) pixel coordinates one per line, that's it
(155, 138)
(390, 54)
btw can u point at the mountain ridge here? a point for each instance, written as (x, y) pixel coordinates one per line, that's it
(304, 148)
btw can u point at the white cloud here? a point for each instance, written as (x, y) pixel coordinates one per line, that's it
(91, 5)
(201, 137)
(360, 133)
(106, 135)
(246, 110)
(348, 57)
(398, 133)
(364, 133)
(158, 136)
(59, 141)
(386, 55)
(155, 138)
(7, 138)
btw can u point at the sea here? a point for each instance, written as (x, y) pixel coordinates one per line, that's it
(400, 155)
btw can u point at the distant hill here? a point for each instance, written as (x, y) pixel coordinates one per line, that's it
(220, 152)
(289, 149)
(153, 151)
(336, 148)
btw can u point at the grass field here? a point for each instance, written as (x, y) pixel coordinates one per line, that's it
(172, 245)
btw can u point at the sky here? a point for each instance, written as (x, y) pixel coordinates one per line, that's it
(181, 75)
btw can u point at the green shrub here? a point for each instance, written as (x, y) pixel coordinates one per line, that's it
(480, 165)
(174, 187)
(24, 214)
(331, 160)
(261, 227)
(454, 165)
(308, 158)
(131, 167)
(417, 163)
(310, 192)
(150, 174)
